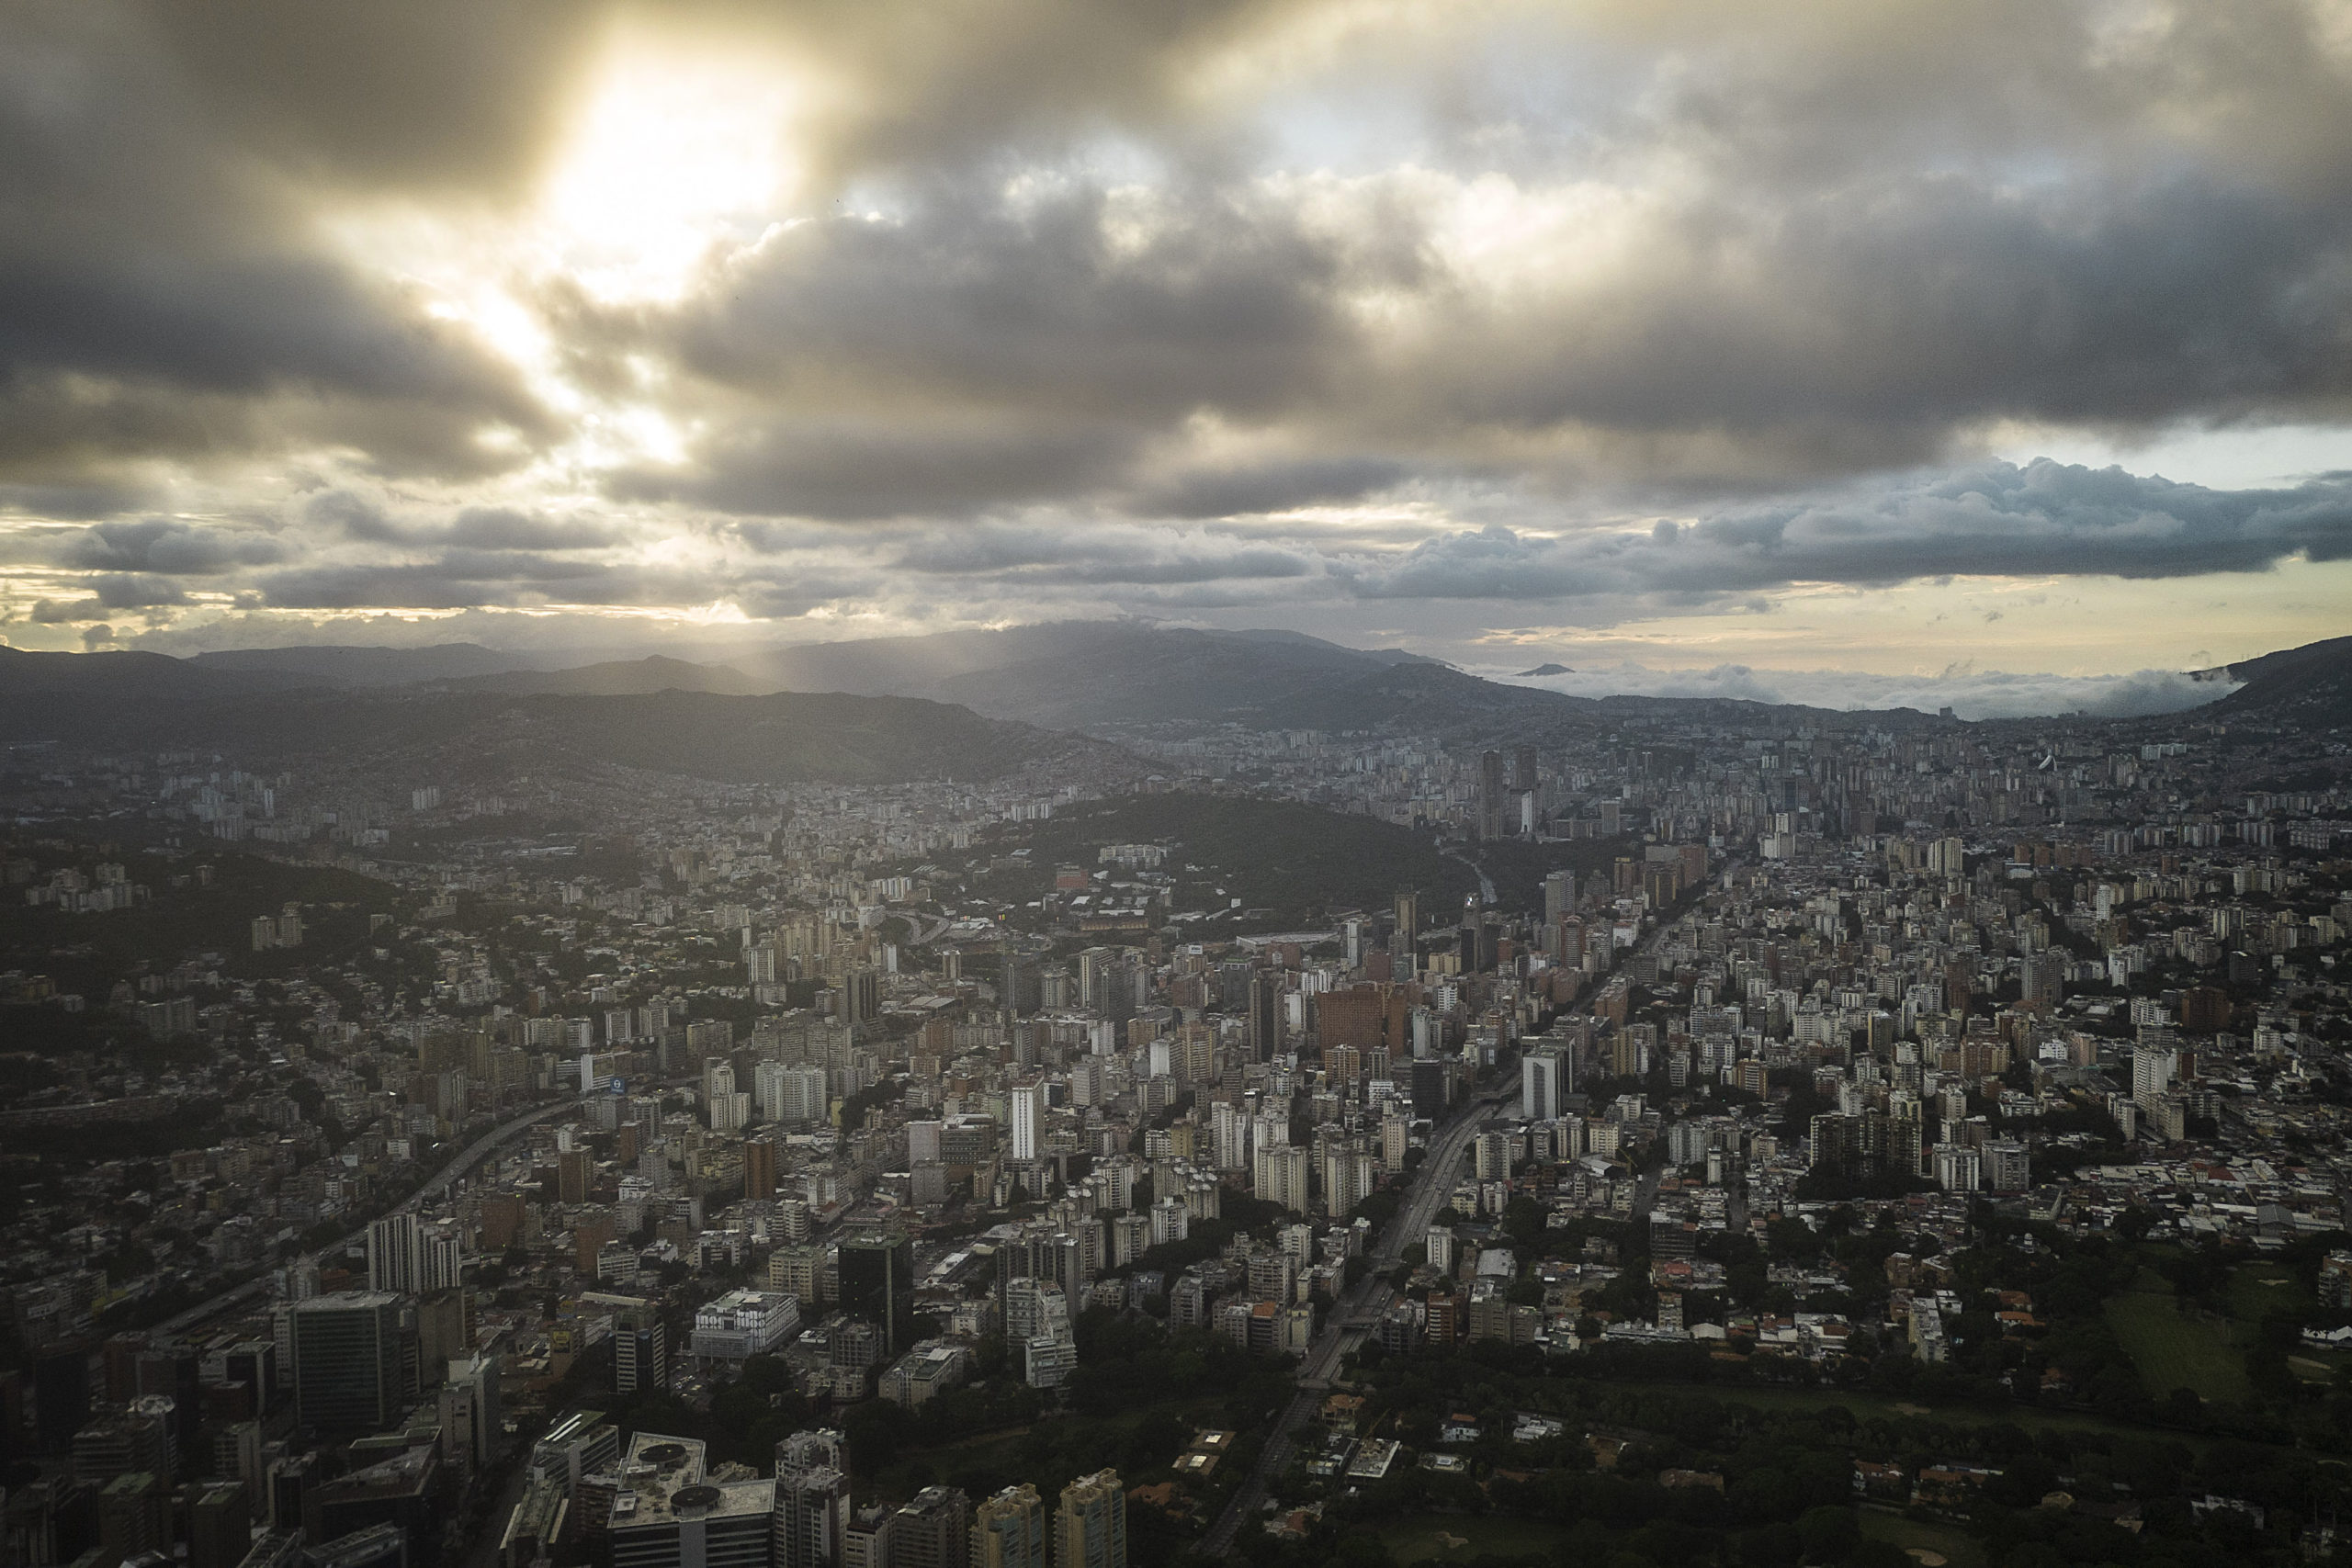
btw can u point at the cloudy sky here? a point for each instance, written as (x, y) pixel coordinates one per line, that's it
(1887, 338)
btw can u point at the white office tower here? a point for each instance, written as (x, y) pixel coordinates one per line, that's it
(443, 1260)
(1440, 1250)
(1028, 1112)
(1543, 1083)
(396, 1255)
(2151, 1074)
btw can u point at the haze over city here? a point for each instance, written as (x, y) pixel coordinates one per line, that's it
(1320, 783)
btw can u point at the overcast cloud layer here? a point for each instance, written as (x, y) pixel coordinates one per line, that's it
(1455, 322)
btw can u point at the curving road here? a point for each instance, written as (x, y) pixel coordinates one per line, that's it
(1486, 884)
(437, 1182)
(1359, 1309)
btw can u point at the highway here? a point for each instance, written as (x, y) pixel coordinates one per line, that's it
(437, 1182)
(1432, 1187)
(1359, 1309)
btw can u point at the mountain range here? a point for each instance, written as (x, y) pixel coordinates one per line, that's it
(2311, 685)
(964, 704)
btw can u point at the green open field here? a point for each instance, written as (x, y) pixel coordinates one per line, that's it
(2257, 1289)
(1917, 1536)
(2174, 1350)
(1876, 1407)
(1458, 1538)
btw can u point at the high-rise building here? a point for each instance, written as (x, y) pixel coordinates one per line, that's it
(860, 996)
(1009, 1531)
(1559, 895)
(134, 1517)
(641, 1346)
(219, 1525)
(1492, 797)
(1280, 1175)
(1543, 1082)
(1265, 1016)
(934, 1530)
(677, 1516)
(1348, 1177)
(575, 1169)
(443, 1262)
(877, 1284)
(349, 1363)
(759, 1168)
(1090, 1526)
(396, 1254)
(471, 1421)
(811, 1520)
(1028, 1112)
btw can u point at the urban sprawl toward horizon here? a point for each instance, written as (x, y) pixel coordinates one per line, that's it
(1702, 1128)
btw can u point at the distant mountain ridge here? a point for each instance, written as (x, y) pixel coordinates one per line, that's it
(333, 665)
(620, 678)
(2309, 685)
(144, 702)
(1107, 678)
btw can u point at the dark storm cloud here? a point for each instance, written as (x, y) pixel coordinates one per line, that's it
(866, 470)
(1208, 490)
(463, 579)
(1126, 556)
(366, 520)
(131, 591)
(1060, 269)
(156, 245)
(2044, 518)
(1862, 326)
(165, 548)
(1051, 300)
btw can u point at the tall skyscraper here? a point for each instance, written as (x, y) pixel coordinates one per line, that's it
(759, 1168)
(1280, 1175)
(1559, 895)
(1091, 1526)
(1492, 797)
(640, 1348)
(396, 1254)
(811, 1502)
(1028, 1112)
(934, 1530)
(471, 1414)
(1265, 1015)
(349, 1363)
(877, 1284)
(1010, 1531)
(1544, 1081)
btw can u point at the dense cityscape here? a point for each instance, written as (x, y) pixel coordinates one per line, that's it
(1045, 783)
(1248, 1144)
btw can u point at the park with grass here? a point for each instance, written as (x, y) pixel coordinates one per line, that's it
(2177, 1345)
